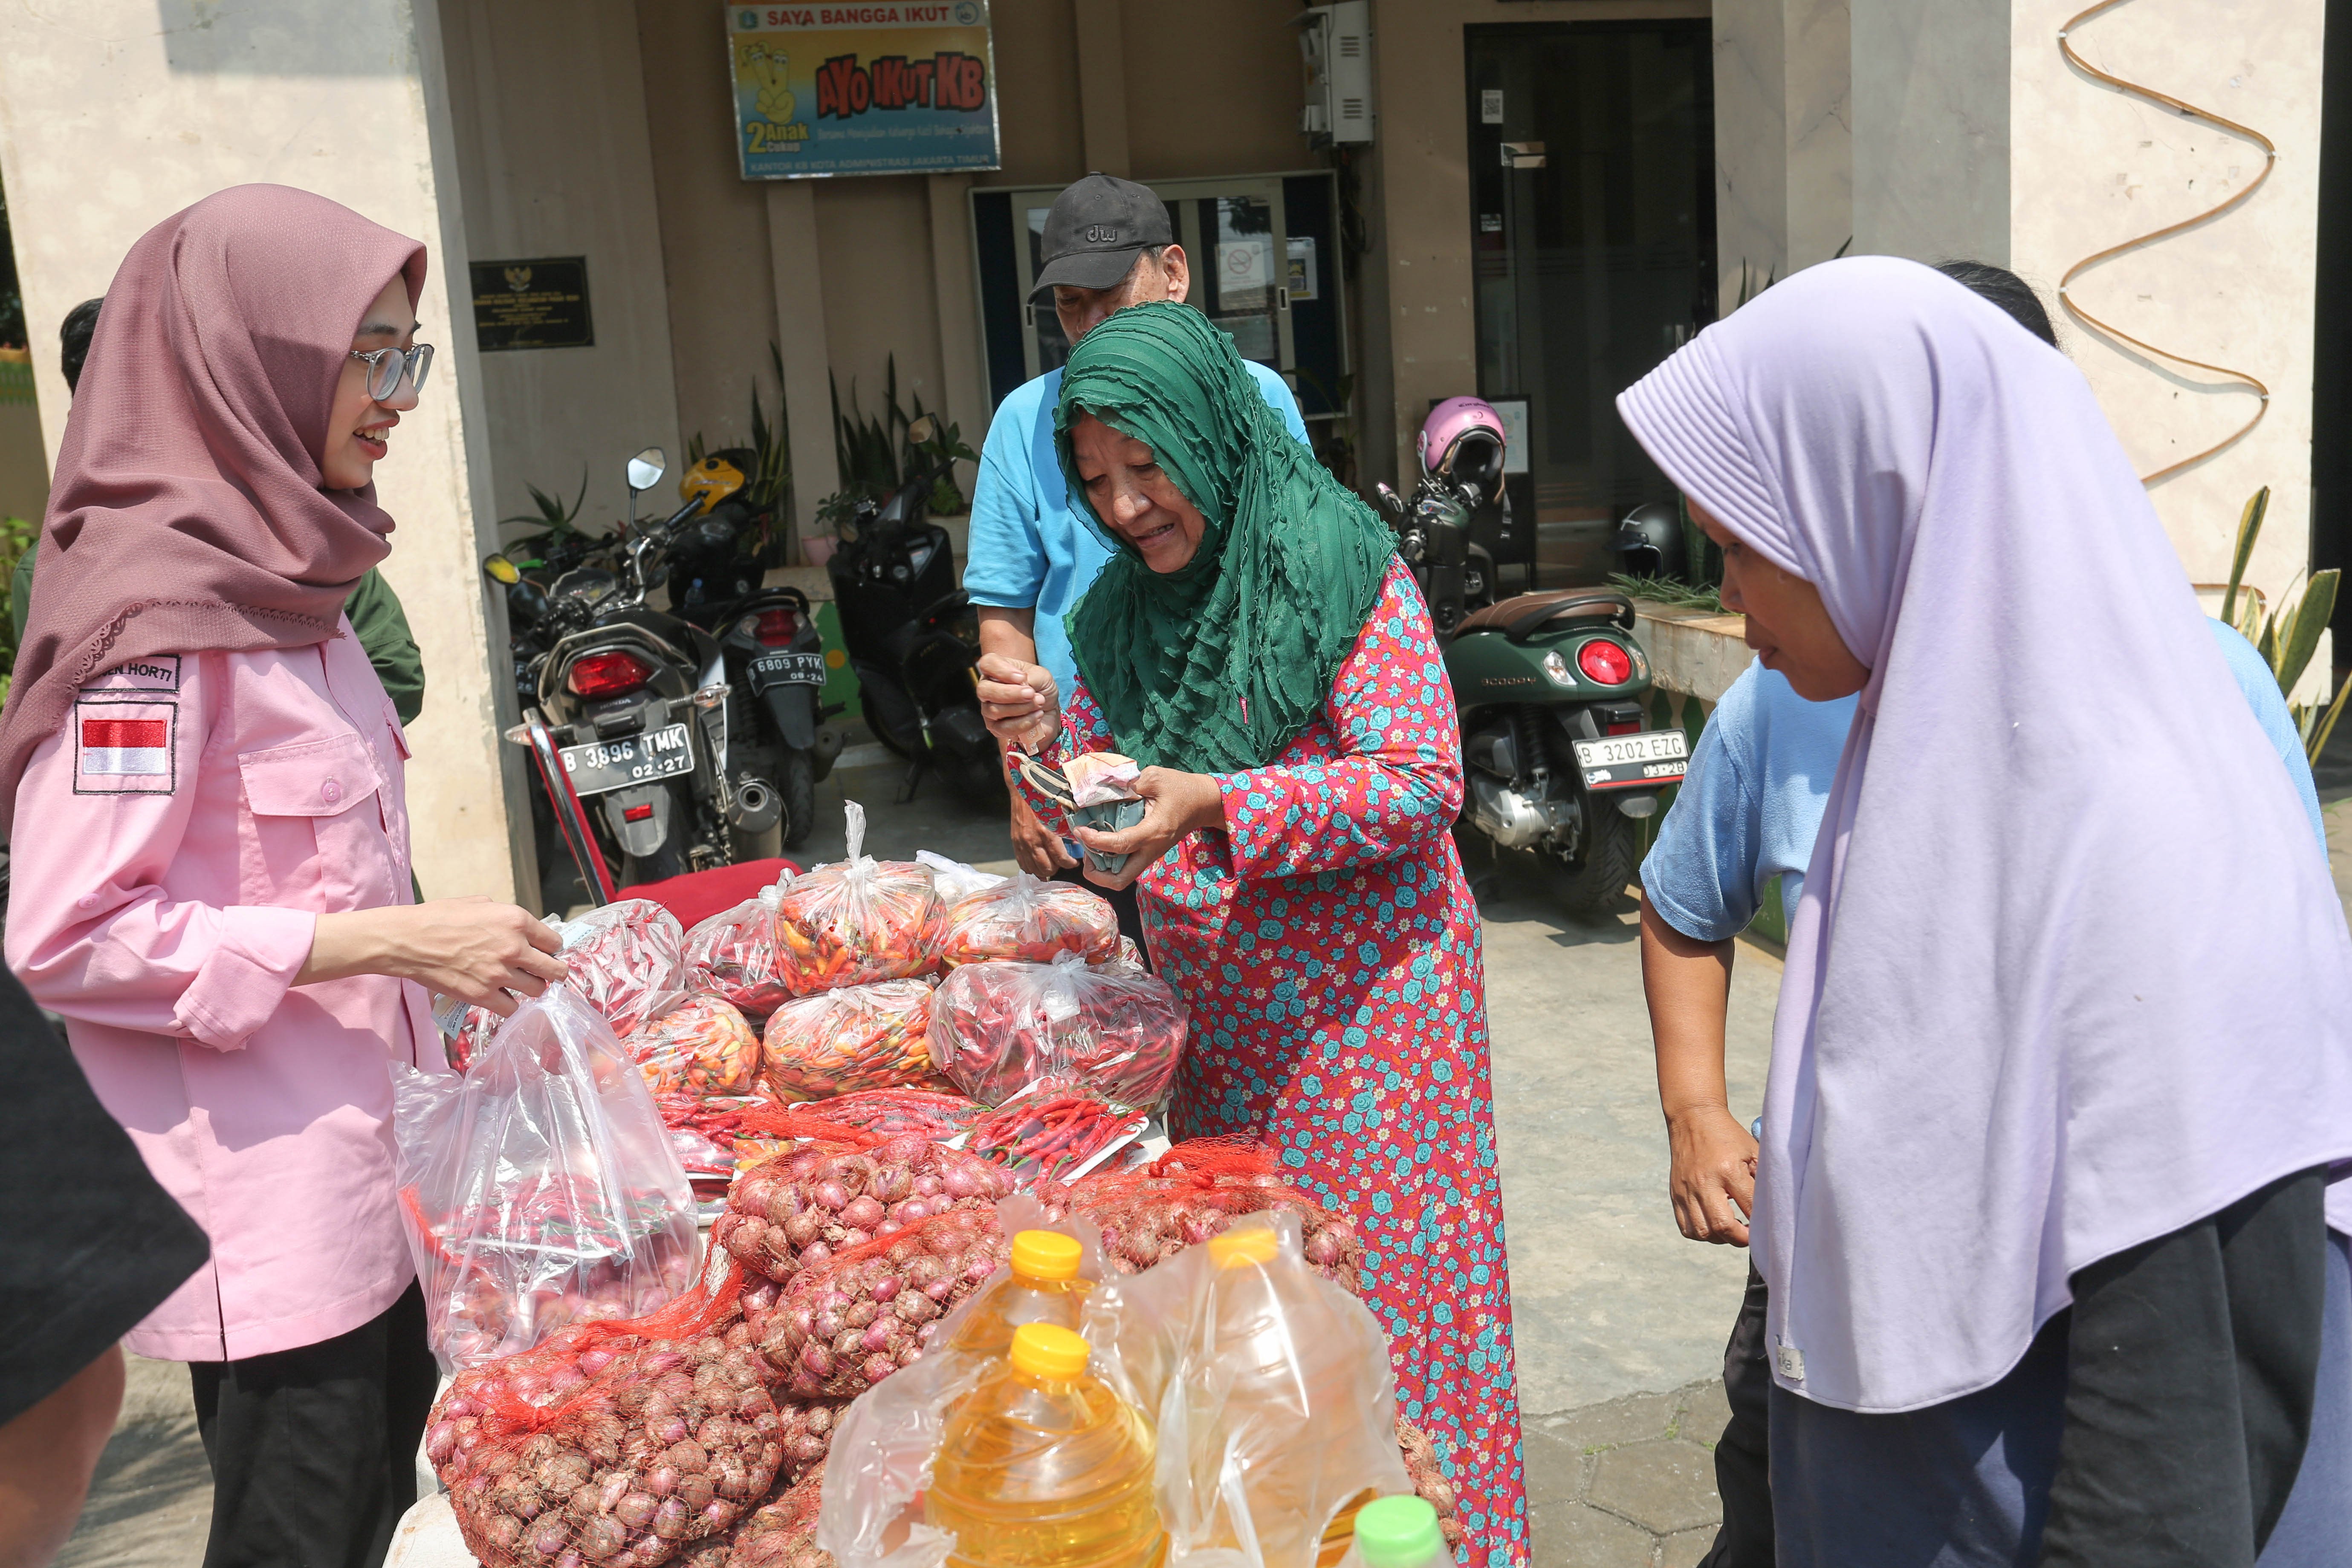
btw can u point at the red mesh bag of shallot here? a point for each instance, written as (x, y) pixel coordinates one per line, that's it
(1429, 1482)
(733, 953)
(840, 1188)
(807, 1432)
(1031, 920)
(1194, 1191)
(626, 958)
(843, 1326)
(613, 1443)
(780, 1534)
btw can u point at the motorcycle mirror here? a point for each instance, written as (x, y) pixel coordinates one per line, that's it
(1390, 498)
(647, 468)
(503, 571)
(923, 430)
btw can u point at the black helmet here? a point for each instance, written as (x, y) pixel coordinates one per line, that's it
(1651, 540)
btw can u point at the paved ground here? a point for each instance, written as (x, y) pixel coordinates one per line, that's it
(1621, 1322)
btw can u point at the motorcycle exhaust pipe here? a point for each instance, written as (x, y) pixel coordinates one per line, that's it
(759, 805)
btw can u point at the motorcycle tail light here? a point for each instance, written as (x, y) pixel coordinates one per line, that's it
(777, 627)
(1605, 663)
(612, 674)
(1626, 727)
(637, 813)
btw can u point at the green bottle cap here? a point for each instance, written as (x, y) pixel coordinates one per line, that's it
(1399, 1532)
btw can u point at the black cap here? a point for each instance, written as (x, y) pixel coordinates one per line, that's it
(1096, 230)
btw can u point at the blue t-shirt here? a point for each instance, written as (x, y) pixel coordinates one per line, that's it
(1759, 782)
(1029, 549)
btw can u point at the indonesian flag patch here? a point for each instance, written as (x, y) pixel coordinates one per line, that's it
(125, 748)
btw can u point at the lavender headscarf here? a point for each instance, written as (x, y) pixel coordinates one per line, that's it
(2065, 976)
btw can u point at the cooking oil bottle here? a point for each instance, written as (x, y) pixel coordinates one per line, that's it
(1398, 1533)
(1043, 1288)
(1043, 1466)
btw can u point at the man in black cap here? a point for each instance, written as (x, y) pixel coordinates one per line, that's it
(1108, 244)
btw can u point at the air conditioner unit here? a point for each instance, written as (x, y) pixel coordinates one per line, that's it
(1334, 42)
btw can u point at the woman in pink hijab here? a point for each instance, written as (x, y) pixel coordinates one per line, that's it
(201, 780)
(2063, 1066)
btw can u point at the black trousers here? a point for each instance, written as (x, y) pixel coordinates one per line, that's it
(314, 1451)
(1122, 903)
(2191, 1362)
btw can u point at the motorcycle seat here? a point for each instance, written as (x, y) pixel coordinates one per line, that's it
(1523, 616)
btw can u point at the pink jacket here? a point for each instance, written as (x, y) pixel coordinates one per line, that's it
(172, 849)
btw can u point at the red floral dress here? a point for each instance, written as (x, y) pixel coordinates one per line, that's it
(1328, 948)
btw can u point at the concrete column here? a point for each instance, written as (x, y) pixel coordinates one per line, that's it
(1102, 86)
(799, 281)
(1784, 148)
(964, 394)
(1973, 136)
(114, 114)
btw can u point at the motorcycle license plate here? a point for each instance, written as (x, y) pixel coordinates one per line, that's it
(1632, 761)
(606, 765)
(787, 670)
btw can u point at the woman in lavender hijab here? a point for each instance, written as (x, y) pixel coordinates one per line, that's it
(2063, 1064)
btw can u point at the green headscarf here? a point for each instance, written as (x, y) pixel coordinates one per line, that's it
(1217, 666)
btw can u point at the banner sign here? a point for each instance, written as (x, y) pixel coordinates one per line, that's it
(889, 88)
(542, 303)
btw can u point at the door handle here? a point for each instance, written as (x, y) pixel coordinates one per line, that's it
(1523, 154)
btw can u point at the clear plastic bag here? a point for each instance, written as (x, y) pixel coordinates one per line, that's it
(1271, 1390)
(733, 953)
(955, 879)
(1030, 920)
(858, 1037)
(860, 921)
(1002, 1027)
(697, 1045)
(540, 1188)
(627, 958)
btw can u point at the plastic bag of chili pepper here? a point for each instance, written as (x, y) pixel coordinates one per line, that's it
(860, 1036)
(627, 958)
(1054, 1130)
(540, 1188)
(839, 1187)
(733, 953)
(1001, 1027)
(1193, 1192)
(1032, 920)
(697, 1045)
(859, 922)
(614, 1443)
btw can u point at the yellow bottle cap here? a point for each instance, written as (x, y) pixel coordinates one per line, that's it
(1046, 1350)
(1256, 1244)
(1044, 1255)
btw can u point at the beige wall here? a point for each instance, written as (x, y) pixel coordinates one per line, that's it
(110, 123)
(1978, 140)
(1784, 148)
(548, 105)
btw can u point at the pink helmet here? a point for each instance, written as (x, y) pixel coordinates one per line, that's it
(1462, 440)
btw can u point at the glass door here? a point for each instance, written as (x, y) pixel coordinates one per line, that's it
(1592, 232)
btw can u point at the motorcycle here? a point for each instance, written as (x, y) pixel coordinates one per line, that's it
(1548, 684)
(627, 707)
(913, 637)
(774, 653)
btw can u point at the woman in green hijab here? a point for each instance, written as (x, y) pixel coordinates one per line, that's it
(1256, 644)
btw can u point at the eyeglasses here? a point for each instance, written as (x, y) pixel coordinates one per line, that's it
(388, 367)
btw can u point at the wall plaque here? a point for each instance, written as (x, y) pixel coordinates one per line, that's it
(536, 304)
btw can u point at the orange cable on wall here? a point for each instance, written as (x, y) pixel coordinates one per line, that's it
(2269, 159)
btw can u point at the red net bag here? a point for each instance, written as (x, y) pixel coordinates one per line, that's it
(698, 1045)
(843, 1326)
(733, 953)
(808, 1427)
(840, 1188)
(780, 1533)
(1193, 1192)
(858, 1037)
(1002, 1027)
(1429, 1482)
(923, 1112)
(1031, 920)
(627, 958)
(860, 921)
(613, 1443)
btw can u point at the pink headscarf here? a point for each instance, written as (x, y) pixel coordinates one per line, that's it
(2065, 976)
(186, 513)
